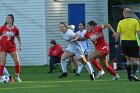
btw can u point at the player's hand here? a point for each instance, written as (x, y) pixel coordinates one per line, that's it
(20, 48)
(72, 40)
(117, 46)
(114, 35)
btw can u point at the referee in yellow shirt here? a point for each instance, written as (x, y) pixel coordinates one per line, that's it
(128, 27)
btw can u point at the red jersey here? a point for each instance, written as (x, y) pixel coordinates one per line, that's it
(7, 37)
(56, 50)
(97, 37)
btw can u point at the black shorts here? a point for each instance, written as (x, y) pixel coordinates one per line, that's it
(130, 48)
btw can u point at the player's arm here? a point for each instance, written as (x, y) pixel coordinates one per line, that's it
(110, 29)
(19, 40)
(117, 39)
(77, 37)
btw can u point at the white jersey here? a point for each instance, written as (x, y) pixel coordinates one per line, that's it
(73, 47)
(84, 44)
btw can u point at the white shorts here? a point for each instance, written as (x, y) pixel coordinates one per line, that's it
(77, 51)
(86, 51)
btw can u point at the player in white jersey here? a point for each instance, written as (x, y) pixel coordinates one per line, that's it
(84, 44)
(73, 49)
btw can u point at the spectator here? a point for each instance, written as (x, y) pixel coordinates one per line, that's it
(55, 53)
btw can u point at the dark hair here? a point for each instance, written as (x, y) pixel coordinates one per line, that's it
(82, 23)
(92, 23)
(53, 41)
(63, 24)
(12, 16)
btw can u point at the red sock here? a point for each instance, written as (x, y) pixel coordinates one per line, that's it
(1, 69)
(97, 65)
(17, 69)
(111, 71)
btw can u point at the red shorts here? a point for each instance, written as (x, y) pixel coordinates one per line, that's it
(8, 50)
(104, 50)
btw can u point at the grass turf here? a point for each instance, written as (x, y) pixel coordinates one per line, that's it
(37, 80)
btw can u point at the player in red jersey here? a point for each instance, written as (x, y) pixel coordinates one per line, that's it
(8, 32)
(95, 34)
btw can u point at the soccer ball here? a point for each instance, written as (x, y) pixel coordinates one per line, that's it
(5, 79)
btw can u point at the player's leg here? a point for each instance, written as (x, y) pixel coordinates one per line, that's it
(15, 58)
(79, 70)
(104, 61)
(80, 65)
(5, 72)
(88, 67)
(135, 68)
(73, 63)
(67, 54)
(2, 62)
(92, 58)
(135, 61)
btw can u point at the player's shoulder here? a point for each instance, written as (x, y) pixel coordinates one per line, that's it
(69, 31)
(98, 27)
(15, 27)
(3, 26)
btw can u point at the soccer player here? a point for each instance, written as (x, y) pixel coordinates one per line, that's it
(128, 27)
(8, 32)
(95, 34)
(73, 49)
(84, 45)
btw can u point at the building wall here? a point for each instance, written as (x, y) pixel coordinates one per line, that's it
(29, 18)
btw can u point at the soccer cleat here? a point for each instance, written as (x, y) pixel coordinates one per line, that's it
(18, 79)
(77, 74)
(135, 78)
(100, 74)
(11, 79)
(116, 77)
(92, 77)
(63, 75)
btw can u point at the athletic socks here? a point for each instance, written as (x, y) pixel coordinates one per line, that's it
(1, 69)
(80, 67)
(135, 67)
(111, 71)
(128, 68)
(97, 65)
(64, 66)
(5, 72)
(89, 68)
(17, 69)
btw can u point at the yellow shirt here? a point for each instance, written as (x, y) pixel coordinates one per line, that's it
(128, 28)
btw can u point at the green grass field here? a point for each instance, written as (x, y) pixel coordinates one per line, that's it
(37, 80)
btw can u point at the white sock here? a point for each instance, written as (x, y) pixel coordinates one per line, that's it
(80, 67)
(5, 72)
(89, 68)
(64, 66)
(92, 68)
